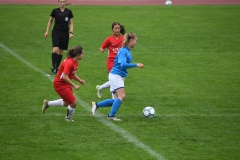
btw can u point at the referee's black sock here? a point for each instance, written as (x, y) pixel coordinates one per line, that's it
(54, 60)
(59, 59)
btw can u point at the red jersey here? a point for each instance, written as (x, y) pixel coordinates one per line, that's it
(69, 67)
(113, 45)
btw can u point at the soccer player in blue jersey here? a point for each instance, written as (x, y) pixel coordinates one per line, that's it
(117, 75)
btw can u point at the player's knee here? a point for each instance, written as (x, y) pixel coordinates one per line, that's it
(74, 104)
(122, 97)
(56, 50)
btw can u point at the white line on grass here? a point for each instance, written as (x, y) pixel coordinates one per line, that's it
(127, 115)
(86, 106)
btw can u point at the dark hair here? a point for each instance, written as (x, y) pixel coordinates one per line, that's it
(122, 31)
(127, 37)
(73, 52)
(66, 2)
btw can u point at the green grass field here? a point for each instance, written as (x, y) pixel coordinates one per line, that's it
(191, 78)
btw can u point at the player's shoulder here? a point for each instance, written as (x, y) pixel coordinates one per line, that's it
(68, 10)
(69, 60)
(56, 9)
(110, 37)
(123, 50)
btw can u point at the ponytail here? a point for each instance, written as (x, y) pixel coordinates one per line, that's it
(73, 52)
(127, 37)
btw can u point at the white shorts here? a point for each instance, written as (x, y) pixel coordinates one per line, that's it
(116, 82)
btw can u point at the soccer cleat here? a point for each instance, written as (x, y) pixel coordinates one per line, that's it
(69, 119)
(54, 71)
(94, 108)
(113, 118)
(45, 106)
(99, 94)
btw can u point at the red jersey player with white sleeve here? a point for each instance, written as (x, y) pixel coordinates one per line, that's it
(113, 43)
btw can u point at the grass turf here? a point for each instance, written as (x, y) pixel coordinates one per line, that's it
(191, 78)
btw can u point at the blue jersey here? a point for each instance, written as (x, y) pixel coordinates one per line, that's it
(122, 62)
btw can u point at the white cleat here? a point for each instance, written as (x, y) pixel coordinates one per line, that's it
(45, 106)
(99, 94)
(113, 118)
(94, 108)
(69, 119)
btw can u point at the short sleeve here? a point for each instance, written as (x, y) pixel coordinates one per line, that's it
(67, 68)
(53, 14)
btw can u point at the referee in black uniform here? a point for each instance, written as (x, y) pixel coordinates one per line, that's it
(61, 33)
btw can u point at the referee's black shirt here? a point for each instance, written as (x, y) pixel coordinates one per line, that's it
(61, 19)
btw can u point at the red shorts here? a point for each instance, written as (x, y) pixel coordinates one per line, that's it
(67, 95)
(110, 63)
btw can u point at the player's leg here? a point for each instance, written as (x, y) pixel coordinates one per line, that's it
(109, 64)
(100, 87)
(54, 103)
(71, 100)
(62, 46)
(55, 51)
(104, 103)
(68, 100)
(117, 87)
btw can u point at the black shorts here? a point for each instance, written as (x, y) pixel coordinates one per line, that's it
(60, 39)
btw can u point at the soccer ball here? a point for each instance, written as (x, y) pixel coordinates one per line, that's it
(149, 112)
(168, 2)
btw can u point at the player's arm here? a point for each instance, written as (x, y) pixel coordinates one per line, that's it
(104, 45)
(48, 26)
(68, 81)
(71, 27)
(131, 65)
(78, 79)
(66, 72)
(123, 62)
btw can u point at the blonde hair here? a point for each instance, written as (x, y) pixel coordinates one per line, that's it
(127, 37)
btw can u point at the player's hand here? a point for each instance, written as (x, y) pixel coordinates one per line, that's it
(76, 87)
(70, 36)
(140, 65)
(101, 50)
(46, 35)
(82, 82)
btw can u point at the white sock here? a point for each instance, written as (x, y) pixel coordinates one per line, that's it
(70, 111)
(112, 96)
(56, 103)
(105, 85)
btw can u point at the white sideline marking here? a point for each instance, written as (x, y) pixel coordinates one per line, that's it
(86, 106)
(125, 115)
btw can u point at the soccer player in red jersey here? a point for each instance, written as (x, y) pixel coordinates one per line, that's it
(113, 43)
(63, 84)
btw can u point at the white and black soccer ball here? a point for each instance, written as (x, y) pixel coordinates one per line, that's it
(168, 2)
(149, 112)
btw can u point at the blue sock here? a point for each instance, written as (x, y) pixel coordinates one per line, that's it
(105, 103)
(116, 104)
